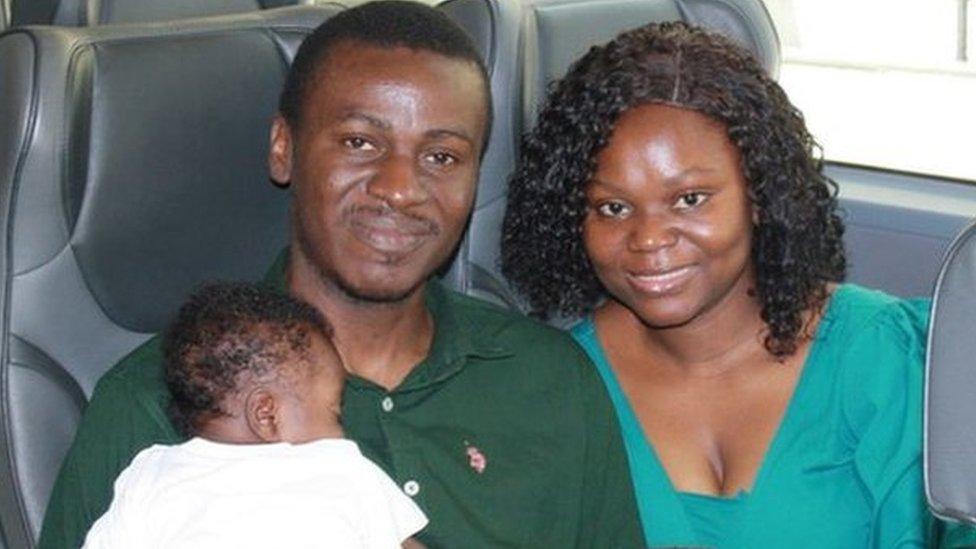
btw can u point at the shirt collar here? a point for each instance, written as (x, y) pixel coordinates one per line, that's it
(455, 340)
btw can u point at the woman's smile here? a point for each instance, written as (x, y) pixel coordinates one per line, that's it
(662, 282)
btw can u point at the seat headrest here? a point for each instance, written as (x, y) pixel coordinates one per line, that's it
(102, 12)
(561, 31)
(46, 12)
(157, 154)
(950, 432)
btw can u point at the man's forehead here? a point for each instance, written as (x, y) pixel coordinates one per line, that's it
(360, 80)
(364, 61)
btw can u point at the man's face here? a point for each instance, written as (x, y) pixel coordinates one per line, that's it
(385, 163)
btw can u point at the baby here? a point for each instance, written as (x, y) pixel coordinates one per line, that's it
(258, 385)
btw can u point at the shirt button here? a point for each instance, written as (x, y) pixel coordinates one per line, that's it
(387, 404)
(411, 488)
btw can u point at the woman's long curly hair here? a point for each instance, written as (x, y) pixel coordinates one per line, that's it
(797, 240)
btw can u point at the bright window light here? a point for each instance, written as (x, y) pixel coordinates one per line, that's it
(884, 83)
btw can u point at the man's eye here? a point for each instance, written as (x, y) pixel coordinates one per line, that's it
(441, 158)
(358, 143)
(690, 200)
(613, 209)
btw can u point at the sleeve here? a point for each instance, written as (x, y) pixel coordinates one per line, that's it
(882, 406)
(608, 516)
(121, 419)
(124, 524)
(400, 513)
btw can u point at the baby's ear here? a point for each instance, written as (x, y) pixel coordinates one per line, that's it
(261, 411)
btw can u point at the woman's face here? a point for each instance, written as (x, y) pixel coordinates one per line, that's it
(669, 223)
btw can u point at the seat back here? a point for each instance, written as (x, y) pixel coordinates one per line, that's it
(561, 31)
(102, 12)
(46, 12)
(495, 26)
(950, 372)
(75, 13)
(132, 160)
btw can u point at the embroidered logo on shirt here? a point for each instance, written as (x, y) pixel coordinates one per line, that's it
(476, 459)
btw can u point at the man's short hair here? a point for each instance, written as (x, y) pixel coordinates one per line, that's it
(226, 331)
(386, 24)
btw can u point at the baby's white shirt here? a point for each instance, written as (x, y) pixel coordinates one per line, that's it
(204, 494)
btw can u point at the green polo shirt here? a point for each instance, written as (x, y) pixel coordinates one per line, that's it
(504, 435)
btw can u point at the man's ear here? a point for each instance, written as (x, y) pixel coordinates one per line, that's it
(281, 151)
(261, 411)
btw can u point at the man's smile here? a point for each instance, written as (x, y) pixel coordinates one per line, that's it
(388, 231)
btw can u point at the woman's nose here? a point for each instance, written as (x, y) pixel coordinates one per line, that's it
(652, 232)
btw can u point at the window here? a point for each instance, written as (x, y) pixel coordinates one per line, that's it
(884, 83)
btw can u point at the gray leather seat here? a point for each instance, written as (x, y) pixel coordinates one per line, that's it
(132, 163)
(495, 26)
(950, 399)
(560, 31)
(101, 12)
(45, 12)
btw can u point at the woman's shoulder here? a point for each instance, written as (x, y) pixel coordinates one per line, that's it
(585, 335)
(878, 350)
(584, 330)
(857, 314)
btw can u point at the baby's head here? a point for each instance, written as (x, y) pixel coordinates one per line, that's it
(246, 364)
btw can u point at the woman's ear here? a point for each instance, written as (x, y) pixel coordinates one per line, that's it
(261, 411)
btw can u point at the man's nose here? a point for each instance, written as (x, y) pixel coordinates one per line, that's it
(651, 232)
(397, 182)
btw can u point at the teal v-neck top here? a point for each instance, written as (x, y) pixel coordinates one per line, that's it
(844, 467)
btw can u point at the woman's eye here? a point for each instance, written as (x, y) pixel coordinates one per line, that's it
(613, 209)
(358, 143)
(690, 200)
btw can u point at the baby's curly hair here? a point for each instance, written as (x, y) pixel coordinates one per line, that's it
(797, 241)
(224, 332)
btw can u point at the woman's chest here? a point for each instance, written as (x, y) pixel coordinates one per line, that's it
(711, 437)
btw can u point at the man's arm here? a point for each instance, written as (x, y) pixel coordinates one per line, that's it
(609, 516)
(125, 415)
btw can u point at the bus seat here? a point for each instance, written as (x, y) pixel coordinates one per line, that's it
(560, 31)
(102, 12)
(133, 164)
(69, 13)
(950, 372)
(74, 13)
(495, 26)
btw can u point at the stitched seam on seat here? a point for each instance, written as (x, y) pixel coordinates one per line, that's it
(5, 298)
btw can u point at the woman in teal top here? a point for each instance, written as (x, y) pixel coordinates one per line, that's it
(670, 194)
(842, 470)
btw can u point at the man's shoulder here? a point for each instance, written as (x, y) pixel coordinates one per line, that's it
(490, 322)
(137, 373)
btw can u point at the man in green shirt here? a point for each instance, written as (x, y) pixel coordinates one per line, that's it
(497, 426)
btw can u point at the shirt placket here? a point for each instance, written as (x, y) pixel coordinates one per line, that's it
(406, 466)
